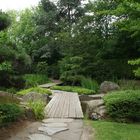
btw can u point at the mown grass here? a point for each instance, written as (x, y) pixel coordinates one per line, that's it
(79, 90)
(35, 89)
(115, 131)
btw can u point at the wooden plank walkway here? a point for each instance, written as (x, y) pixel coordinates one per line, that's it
(64, 105)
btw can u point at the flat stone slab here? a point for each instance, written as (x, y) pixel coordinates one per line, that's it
(74, 132)
(51, 120)
(55, 125)
(91, 97)
(51, 131)
(39, 137)
(48, 85)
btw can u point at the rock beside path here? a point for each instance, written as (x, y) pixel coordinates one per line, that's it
(94, 109)
(33, 96)
(51, 130)
(107, 86)
(39, 137)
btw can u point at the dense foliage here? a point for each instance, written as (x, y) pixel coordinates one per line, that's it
(124, 105)
(9, 113)
(71, 39)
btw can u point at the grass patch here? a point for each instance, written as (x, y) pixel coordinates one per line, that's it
(115, 131)
(35, 89)
(32, 80)
(79, 90)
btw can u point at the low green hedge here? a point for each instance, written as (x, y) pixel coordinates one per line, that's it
(35, 89)
(79, 90)
(123, 105)
(9, 113)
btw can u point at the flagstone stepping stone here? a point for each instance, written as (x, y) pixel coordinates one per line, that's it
(52, 120)
(55, 125)
(51, 131)
(39, 137)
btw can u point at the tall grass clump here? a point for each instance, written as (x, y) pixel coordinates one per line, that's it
(38, 108)
(89, 83)
(32, 80)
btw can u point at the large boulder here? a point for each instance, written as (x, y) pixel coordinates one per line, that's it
(94, 109)
(33, 96)
(6, 97)
(107, 86)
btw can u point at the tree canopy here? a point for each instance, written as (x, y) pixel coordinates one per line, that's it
(73, 39)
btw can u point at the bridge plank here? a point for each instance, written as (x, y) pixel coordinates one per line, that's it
(64, 105)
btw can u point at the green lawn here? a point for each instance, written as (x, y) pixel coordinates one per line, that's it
(116, 131)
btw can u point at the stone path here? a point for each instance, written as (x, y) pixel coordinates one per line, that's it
(59, 129)
(48, 85)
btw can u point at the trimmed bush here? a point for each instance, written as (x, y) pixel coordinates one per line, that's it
(123, 105)
(9, 113)
(35, 89)
(79, 90)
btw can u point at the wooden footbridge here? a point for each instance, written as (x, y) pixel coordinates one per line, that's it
(64, 105)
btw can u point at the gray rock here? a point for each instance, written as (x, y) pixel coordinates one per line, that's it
(9, 97)
(91, 97)
(52, 130)
(107, 86)
(39, 137)
(54, 125)
(94, 109)
(33, 96)
(29, 113)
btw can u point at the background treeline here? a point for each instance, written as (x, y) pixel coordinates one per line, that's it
(69, 40)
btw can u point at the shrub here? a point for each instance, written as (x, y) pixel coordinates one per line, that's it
(123, 105)
(70, 69)
(38, 109)
(54, 71)
(11, 90)
(79, 90)
(35, 89)
(129, 84)
(32, 80)
(89, 84)
(71, 80)
(9, 99)
(42, 67)
(9, 112)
